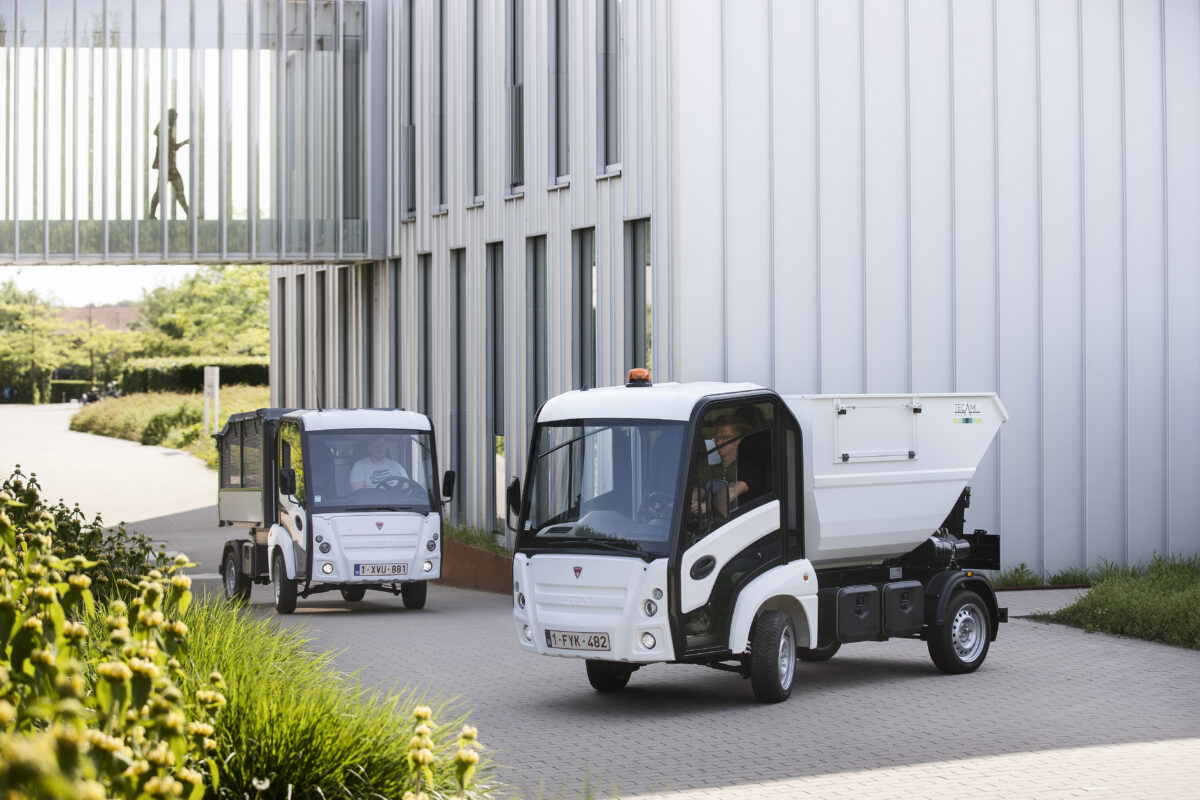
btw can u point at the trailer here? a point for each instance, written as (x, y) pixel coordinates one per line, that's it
(728, 526)
(343, 500)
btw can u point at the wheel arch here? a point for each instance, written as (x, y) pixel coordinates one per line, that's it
(275, 543)
(785, 588)
(942, 588)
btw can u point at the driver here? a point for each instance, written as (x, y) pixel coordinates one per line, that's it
(377, 469)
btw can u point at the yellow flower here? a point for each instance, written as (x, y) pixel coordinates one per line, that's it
(422, 712)
(139, 767)
(424, 756)
(181, 581)
(209, 744)
(176, 628)
(210, 697)
(469, 732)
(7, 713)
(43, 657)
(45, 594)
(114, 671)
(151, 618)
(466, 756)
(199, 729)
(163, 786)
(173, 721)
(117, 622)
(191, 776)
(161, 755)
(422, 730)
(90, 790)
(144, 667)
(79, 581)
(75, 630)
(32, 624)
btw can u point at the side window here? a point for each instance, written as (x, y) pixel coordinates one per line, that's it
(732, 464)
(291, 456)
(792, 489)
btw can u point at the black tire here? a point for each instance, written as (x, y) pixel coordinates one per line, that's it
(960, 644)
(414, 594)
(772, 656)
(285, 587)
(822, 652)
(353, 594)
(608, 676)
(236, 585)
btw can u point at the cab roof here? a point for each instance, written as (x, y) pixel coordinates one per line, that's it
(348, 419)
(663, 401)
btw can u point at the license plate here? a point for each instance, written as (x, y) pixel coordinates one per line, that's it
(568, 640)
(381, 569)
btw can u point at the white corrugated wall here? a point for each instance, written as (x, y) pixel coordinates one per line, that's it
(871, 196)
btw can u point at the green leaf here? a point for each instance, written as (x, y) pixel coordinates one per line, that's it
(104, 696)
(55, 612)
(141, 689)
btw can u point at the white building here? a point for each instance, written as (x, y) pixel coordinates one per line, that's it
(820, 197)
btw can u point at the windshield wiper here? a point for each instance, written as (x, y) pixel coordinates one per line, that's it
(612, 543)
(376, 508)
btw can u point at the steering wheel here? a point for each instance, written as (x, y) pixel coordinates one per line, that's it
(657, 505)
(397, 483)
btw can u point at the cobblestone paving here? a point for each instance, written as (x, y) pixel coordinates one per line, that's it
(1053, 713)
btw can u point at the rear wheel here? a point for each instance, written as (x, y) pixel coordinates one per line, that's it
(960, 644)
(236, 585)
(414, 594)
(772, 656)
(608, 676)
(285, 587)
(353, 594)
(822, 652)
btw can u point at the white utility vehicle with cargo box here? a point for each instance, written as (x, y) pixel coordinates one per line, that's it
(342, 499)
(728, 526)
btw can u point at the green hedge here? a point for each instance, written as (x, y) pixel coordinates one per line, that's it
(186, 374)
(72, 389)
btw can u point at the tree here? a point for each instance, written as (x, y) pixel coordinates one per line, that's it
(217, 310)
(31, 346)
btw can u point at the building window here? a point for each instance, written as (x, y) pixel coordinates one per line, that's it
(458, 370)
(394, 315)
(535, 260)
(609, 79)
(479, 143)
(281, 337)
(495, 374)
(408, 142)
(301, 366)
(516, 94)
(425, 332)
(319, 338)
(639, 289)
(583, 254)
(367, 313)
(442, 155)
(560, 85)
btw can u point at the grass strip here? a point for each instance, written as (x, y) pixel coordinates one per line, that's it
(1158, 602)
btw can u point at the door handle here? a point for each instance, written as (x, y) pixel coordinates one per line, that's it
(702, 568)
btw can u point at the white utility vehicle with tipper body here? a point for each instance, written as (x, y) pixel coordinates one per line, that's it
(343, 499)
(726, 525)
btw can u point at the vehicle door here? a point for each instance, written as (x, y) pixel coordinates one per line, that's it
(731, 516)
(293, 513)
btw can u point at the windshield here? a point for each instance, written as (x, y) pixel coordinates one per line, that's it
(603, 484)
(384, 470)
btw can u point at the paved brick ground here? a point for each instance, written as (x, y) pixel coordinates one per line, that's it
(1054, 713)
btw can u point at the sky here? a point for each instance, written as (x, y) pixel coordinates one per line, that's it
(74, 286)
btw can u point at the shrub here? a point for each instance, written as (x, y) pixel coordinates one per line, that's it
(1020, 575)
(1156, 602)
(186, 373)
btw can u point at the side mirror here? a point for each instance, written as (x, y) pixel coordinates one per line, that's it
(448, 484)
(513, 496)
(287, 481)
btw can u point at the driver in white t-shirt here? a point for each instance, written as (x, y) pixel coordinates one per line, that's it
(376, 469)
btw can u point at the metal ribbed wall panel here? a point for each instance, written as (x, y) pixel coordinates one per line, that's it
(847, 197)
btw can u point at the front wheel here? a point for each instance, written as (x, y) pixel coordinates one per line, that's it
(608, 676)
(960, 644)
(354, 593)
(285, 587)
(236, 585)
(772, 657)
(414, 594)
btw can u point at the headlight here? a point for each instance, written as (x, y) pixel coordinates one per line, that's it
(327, 568)
(650, 607)
(324, 548)
(431, 546)
(648, 640)
(527, 633)
(521, 600)
(427, 566)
